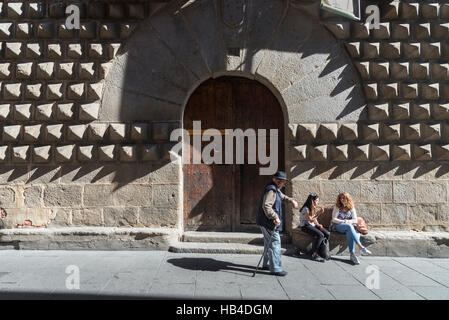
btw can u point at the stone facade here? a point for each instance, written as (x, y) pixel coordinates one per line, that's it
(86, 115)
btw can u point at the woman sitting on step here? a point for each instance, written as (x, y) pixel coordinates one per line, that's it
(344, 216)
(308, 221)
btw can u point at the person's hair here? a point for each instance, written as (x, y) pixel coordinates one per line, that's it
(3, 210)
(349, 202)
(308, 203)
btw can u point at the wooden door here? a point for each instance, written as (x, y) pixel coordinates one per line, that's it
(225, 197)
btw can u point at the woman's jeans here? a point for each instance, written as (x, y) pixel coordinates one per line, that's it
(318, 235)
(351, 235)
(272, 257)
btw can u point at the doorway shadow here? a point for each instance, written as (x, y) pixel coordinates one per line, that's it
(209, 264)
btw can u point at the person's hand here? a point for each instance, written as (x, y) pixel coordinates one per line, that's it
(294, 204)
(320, 226)
(277, 222)
(321, 210)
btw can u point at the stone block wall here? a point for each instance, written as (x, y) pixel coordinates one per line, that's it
(60, 165)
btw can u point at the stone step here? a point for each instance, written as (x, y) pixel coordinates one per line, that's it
(228, 237)
(220, 248)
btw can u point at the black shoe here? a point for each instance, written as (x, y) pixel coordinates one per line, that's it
(279, 274)
(265, 268)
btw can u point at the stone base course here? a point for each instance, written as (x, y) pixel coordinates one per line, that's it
(88, 238)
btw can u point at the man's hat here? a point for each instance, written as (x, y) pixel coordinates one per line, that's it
(280, 175)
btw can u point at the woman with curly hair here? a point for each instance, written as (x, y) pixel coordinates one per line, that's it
(344, 216)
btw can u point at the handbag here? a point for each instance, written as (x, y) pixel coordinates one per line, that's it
(324, 251)
(361, 226)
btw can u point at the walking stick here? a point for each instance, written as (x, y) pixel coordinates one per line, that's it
(264, 251)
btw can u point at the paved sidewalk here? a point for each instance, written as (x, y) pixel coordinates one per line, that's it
(161, 274)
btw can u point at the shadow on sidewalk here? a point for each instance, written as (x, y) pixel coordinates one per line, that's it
(305, 256)
(208, 264)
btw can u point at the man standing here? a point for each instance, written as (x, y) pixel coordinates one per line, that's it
(269, 218)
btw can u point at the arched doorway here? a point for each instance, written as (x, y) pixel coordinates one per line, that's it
(225, 197)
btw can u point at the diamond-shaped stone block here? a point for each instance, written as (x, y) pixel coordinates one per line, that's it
(128, 153)
(12, 91)
(20, 154)
(24, 70)
(117, 131)
(348, 132)
(65, 111)
(89, 111)
(340, 30)
(400, 152)
(106, 153)
(13, 50)
(441, 152)
(33, 91)
(32, 133)
(87, 70)
(298, 153)
(440, 111)
(97, 131)
(86, 153)
(422, 152)
(378, 112)
(95, 90)
(370, 132)
(431, 132)
(45, 70)
(139, 131)
(75, 91)
(5, 70)
(54, 91)
(42, 154)
(44, 112)
(359, 152)
(318, 153)
(327, 132)
(420, 111)
(11, 133)
(380, 152)
(65, 70)
(5, 111)
(54, 132)
(150, 152)
(307, 131)
(65, 153)
(391, 132)
(4, 153)
(339, 152)
(412, 131)
(23, 112)
(76, 132)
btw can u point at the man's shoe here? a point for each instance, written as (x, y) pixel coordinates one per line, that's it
(279, 274)
(318, 258)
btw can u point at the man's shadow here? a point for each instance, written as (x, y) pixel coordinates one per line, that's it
(208, 264)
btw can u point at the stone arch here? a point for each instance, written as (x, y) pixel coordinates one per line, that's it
(281, 44)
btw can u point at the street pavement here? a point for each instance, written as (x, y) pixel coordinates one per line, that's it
(165, 275)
